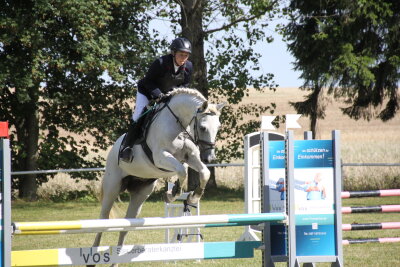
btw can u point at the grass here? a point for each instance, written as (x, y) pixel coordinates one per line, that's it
(221, 202)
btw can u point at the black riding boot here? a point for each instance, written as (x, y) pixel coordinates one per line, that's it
(126, 152)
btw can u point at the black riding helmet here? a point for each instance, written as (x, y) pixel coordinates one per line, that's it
(181, 44)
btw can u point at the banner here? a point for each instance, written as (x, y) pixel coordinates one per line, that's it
(314, 198)
(277, 195)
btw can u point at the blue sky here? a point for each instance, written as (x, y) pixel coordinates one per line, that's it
(277, 60)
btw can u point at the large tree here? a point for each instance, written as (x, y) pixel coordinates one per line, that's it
(66, 69)
(350, 47)
(224, 69)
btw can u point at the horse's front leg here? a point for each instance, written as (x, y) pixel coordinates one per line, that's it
(167, 161)
(194, 161)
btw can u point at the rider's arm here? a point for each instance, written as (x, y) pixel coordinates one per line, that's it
(154, 73)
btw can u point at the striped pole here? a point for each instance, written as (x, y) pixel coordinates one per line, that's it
(345, 227)
(371, 240)
(381, 208)
(373, 193)
(100, 230)
(370, 226)
(103, 224)
(133, 253)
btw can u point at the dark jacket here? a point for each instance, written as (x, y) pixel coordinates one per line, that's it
(161, 77)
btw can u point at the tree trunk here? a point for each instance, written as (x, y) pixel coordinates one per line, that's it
(317, 110)
(192, 28)
(193, 179)
(30, 139)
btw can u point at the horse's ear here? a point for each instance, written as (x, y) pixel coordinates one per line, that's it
(203, 107)
(220, 106)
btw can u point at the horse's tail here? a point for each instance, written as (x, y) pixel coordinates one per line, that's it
(114, 209)
(101, 193)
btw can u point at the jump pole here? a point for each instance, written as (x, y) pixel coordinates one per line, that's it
(5, 197)
(104, 224)
(372, 193)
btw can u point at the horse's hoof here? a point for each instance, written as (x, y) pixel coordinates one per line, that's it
(169, 198)
(192, 200)
(194, 197)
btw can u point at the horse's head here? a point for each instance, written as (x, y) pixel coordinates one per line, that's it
(206, 129)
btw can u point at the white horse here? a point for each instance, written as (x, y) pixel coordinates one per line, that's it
(179, 125)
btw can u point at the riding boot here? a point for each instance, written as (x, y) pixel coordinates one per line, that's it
(126, 153)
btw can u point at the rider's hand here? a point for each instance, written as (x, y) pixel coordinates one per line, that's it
(160, 97)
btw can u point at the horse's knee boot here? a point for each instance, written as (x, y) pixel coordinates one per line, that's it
(195, 196)
(168, 197)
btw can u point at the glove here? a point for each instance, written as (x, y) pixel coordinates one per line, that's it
(160, 97)
(155, 93)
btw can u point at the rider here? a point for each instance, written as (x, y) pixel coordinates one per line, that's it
(166, 73)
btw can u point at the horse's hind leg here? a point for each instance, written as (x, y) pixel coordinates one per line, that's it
(138, 196)
(110, 187)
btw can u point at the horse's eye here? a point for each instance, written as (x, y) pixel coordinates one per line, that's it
(203, 129)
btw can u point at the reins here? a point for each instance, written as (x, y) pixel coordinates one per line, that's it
(195, 139)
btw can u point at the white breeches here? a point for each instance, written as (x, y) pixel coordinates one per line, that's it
(141, 102)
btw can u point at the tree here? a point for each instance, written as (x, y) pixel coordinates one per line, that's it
(54, 56)
(224, 71)
(351, 47)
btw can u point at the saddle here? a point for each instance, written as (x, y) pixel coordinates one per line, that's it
(144, 122)
(146, 119)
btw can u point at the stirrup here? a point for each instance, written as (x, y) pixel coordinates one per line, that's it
(126, 154)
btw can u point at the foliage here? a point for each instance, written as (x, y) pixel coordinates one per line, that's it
(227, 31)
(55, 57)
(353, 48)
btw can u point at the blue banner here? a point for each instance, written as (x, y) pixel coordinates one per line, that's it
(313, 154)
(277, 193)
(277, 154)
(314, 198)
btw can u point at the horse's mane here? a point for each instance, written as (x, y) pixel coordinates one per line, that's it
(188, 91)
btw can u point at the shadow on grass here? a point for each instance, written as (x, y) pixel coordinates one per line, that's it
(219, 194)
(213, 194)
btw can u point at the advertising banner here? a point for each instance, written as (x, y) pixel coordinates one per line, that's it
(277, 195)
(314, 198)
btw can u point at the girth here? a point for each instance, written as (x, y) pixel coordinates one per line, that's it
(149, 154)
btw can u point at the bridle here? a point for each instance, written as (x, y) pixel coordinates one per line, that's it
(202, 144)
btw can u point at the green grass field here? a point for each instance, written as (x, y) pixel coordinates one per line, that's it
(226, 201)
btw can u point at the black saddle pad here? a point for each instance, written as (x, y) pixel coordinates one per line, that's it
(144, 123)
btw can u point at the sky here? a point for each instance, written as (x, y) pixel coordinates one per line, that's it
(277, 60)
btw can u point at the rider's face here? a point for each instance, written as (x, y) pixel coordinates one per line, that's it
(181, 57)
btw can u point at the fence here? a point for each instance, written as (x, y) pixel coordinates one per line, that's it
(208, 165)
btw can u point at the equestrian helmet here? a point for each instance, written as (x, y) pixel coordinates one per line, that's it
(181, 44)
